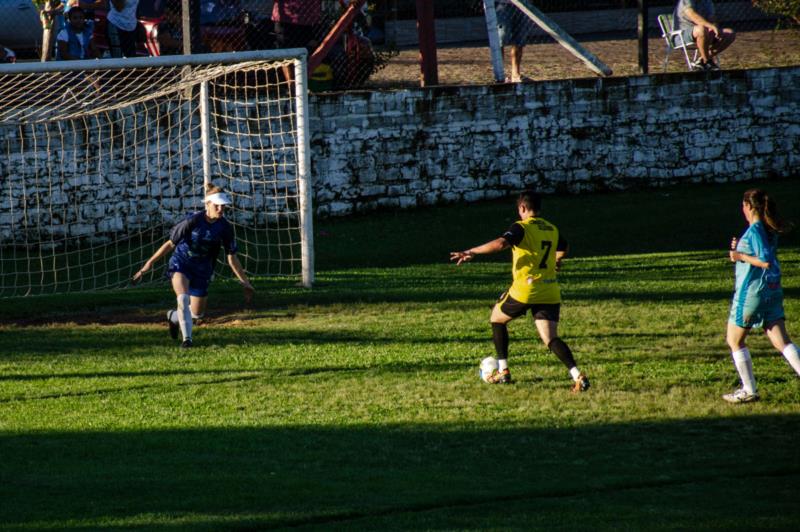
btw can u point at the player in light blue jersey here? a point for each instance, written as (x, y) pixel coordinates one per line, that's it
(196, 242)
(758, 298)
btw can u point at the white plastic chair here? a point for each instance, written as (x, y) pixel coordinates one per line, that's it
(674, 40)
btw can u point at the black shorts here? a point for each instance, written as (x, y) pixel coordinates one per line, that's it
(539, 311)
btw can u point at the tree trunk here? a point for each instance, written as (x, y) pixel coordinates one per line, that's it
(47, 43)
(48, 28)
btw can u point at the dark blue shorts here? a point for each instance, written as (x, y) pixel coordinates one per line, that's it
(198, 280)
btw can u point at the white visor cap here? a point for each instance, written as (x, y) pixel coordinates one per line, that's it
(219, 198)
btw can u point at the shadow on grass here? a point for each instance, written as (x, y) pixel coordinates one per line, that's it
(47, 342)
(404, 476)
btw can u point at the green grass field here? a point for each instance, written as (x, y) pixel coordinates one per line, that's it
(356, 405)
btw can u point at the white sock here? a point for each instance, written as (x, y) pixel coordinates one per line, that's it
(744, 365)
(791, 356)
(574, 373)
(502, 364)
(185, 316)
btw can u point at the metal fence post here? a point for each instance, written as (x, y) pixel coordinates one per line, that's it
(643, 66)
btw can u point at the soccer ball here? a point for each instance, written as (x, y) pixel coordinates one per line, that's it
(487, 368)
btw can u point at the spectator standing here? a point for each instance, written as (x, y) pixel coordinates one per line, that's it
(697, 21)
(170, 32)
(122, 24)
(295, 21)
(75, 40)
(514, 28)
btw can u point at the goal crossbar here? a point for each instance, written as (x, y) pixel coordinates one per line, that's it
(226, 58)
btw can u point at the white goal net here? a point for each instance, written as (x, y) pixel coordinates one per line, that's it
(99, 159)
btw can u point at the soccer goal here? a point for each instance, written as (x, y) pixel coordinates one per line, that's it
(100, 158)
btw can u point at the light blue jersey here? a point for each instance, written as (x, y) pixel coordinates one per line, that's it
(758, 299)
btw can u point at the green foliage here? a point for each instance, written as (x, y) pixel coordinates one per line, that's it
(356, 405)
(788, 9)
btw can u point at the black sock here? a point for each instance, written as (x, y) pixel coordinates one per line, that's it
(562, 351)
(500, 337)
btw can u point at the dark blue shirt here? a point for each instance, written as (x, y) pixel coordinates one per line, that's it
(197, 241)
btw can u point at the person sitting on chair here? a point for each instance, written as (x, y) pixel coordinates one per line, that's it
(696, 19)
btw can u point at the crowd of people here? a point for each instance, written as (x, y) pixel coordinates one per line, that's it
(293, 23)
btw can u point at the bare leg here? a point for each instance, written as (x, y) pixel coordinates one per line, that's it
(736, 336)
(548, 330)
(498, 316)
(723, 40)
(516, 63)
(199, 307)
(776, 332)
(703, 40)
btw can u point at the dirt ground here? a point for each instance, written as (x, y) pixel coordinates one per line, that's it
(471, 64)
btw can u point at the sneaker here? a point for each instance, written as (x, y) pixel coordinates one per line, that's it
(186, 344)
(700, 66)
(582, 384)
(174, 328)
(500, 377)
(741, 396)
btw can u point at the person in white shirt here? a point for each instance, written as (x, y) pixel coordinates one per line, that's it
(122, 25)
(75, 40)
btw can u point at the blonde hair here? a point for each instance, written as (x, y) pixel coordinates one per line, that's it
(211, 188)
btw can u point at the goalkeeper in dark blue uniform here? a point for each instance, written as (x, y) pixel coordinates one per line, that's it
(196, 242)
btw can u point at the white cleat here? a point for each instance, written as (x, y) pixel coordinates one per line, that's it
(741, 396)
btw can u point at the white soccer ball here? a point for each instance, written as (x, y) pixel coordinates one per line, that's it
(487, 368)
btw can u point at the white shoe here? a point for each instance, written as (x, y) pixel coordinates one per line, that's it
(741, 396)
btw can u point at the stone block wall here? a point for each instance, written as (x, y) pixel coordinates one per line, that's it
(408, 148)
(451, 144)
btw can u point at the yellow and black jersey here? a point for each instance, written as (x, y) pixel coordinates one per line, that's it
(534, 244)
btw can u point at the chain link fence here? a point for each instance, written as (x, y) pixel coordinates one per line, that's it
(378, 46)
(607, 28)
(357, 51)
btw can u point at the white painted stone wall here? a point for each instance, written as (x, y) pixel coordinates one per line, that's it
(409, 148)
(452, 144)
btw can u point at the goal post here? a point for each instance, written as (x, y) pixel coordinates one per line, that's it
(100, 158)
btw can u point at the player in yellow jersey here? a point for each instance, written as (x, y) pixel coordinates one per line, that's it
(537, 251)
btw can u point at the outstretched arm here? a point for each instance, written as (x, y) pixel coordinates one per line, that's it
(560, 257)
(493, 246)
(165, 248)
(236, 266)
